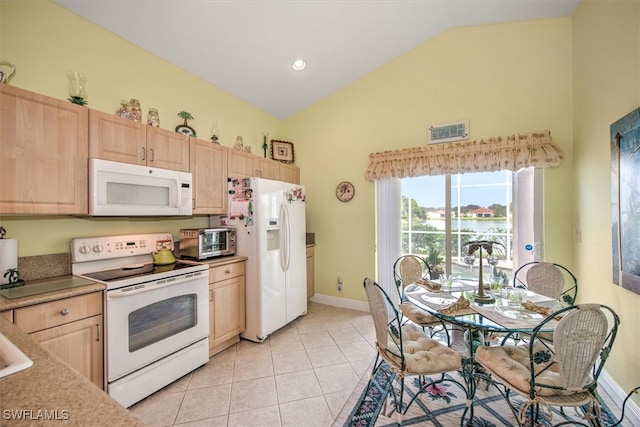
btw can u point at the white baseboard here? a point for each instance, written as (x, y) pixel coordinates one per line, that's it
(617, 394)
(340, 302)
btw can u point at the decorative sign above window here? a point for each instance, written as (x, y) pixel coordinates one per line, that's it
(447, 132)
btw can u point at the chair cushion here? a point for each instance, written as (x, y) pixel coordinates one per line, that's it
(423, 355)
(417, 315)
(511, 365)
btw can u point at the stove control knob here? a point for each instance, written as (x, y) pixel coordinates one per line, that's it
(97, 248)
(84, 249)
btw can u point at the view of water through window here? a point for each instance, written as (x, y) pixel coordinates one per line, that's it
(480, 208)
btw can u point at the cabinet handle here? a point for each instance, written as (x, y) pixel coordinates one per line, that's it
(153, 157)
(97, 332)
(64, 311)
(144, 153)
(210, 295)
(227, 272)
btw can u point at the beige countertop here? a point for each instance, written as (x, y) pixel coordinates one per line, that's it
(50, 388)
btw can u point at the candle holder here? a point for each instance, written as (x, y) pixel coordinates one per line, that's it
(489, 247)
(77, 88)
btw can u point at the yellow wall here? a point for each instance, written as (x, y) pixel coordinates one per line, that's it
(606, 87)
(506, 79)
(44, 41)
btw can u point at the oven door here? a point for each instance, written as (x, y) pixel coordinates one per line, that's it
(148, 321)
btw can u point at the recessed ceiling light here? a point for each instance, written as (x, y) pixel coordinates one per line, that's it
(299, 65)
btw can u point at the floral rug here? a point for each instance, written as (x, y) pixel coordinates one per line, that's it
(442, 405)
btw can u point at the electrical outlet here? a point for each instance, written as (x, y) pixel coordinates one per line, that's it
(340, 284)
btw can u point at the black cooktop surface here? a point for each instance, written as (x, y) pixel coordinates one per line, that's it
(130, 271)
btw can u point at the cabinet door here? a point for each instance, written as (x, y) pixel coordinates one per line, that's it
(289, 173)
(117, 139)
(209, 169)
(228, 309)
(43, 160)
(8, 315)
(241, 164)
(79, 344)
(267, 168)
(167, 149)
(311, 273)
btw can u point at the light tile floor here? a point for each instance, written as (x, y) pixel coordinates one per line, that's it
(300, 376)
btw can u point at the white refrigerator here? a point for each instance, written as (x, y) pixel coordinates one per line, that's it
(269, 217)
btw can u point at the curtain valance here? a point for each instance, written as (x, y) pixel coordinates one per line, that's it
(498, 153)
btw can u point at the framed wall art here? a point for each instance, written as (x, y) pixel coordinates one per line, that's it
(282, 151)
(448, 132)
(625, 200)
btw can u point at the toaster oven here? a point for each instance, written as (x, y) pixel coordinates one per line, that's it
(203, 243)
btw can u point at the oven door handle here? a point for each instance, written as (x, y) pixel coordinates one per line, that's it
(139, 289)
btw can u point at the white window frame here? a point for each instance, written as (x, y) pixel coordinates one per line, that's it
(525, 211)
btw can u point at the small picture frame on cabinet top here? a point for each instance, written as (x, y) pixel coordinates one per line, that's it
(282, 151)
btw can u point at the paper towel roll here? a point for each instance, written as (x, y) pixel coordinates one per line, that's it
(8, 257)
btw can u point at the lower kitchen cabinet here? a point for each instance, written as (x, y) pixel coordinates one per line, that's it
(226, 305)
(8, 315)
(70, 328)
(311, 273)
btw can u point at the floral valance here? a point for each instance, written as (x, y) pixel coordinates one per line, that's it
(498, 153)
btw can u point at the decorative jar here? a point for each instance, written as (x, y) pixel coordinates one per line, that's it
(153, 119)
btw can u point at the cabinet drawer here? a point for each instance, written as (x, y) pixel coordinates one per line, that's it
(42, 316)
(224, 272)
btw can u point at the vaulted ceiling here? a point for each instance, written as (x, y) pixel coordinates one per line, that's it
(246, 47)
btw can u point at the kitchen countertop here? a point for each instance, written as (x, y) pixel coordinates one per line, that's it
(73, 286)
(51, 393)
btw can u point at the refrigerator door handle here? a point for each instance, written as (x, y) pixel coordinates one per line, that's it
(285, 246)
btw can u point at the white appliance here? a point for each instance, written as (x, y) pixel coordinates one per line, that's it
(269, 217)
(123, 189)
(157, 317)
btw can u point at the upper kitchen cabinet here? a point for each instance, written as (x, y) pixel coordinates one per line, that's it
(289, 173)
(240, 164)
(209, 170)
(267, 168)
(43, 161)
(247, 165)
(121, 140)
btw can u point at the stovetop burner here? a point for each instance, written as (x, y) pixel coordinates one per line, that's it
(136, 270)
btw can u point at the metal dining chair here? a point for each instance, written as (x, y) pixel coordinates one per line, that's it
(407, 350)
(563, 373)
(408, 270)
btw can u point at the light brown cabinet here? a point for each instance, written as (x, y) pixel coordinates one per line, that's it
(70, 328)
(209, 169)
(121, 140)
(226, 305)
(267, 168)
(43, 161)
(289, 173)
(311, 273)
(246, 165)
(8, 315)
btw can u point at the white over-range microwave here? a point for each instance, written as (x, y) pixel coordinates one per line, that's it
(122, 189)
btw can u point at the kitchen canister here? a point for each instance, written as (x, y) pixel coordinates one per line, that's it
(8, 256)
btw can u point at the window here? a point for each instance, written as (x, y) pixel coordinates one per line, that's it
(441, 213)
(433, 216)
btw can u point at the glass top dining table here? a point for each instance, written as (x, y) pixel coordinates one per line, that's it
(498, 316)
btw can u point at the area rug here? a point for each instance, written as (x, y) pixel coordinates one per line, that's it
(443, 405)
